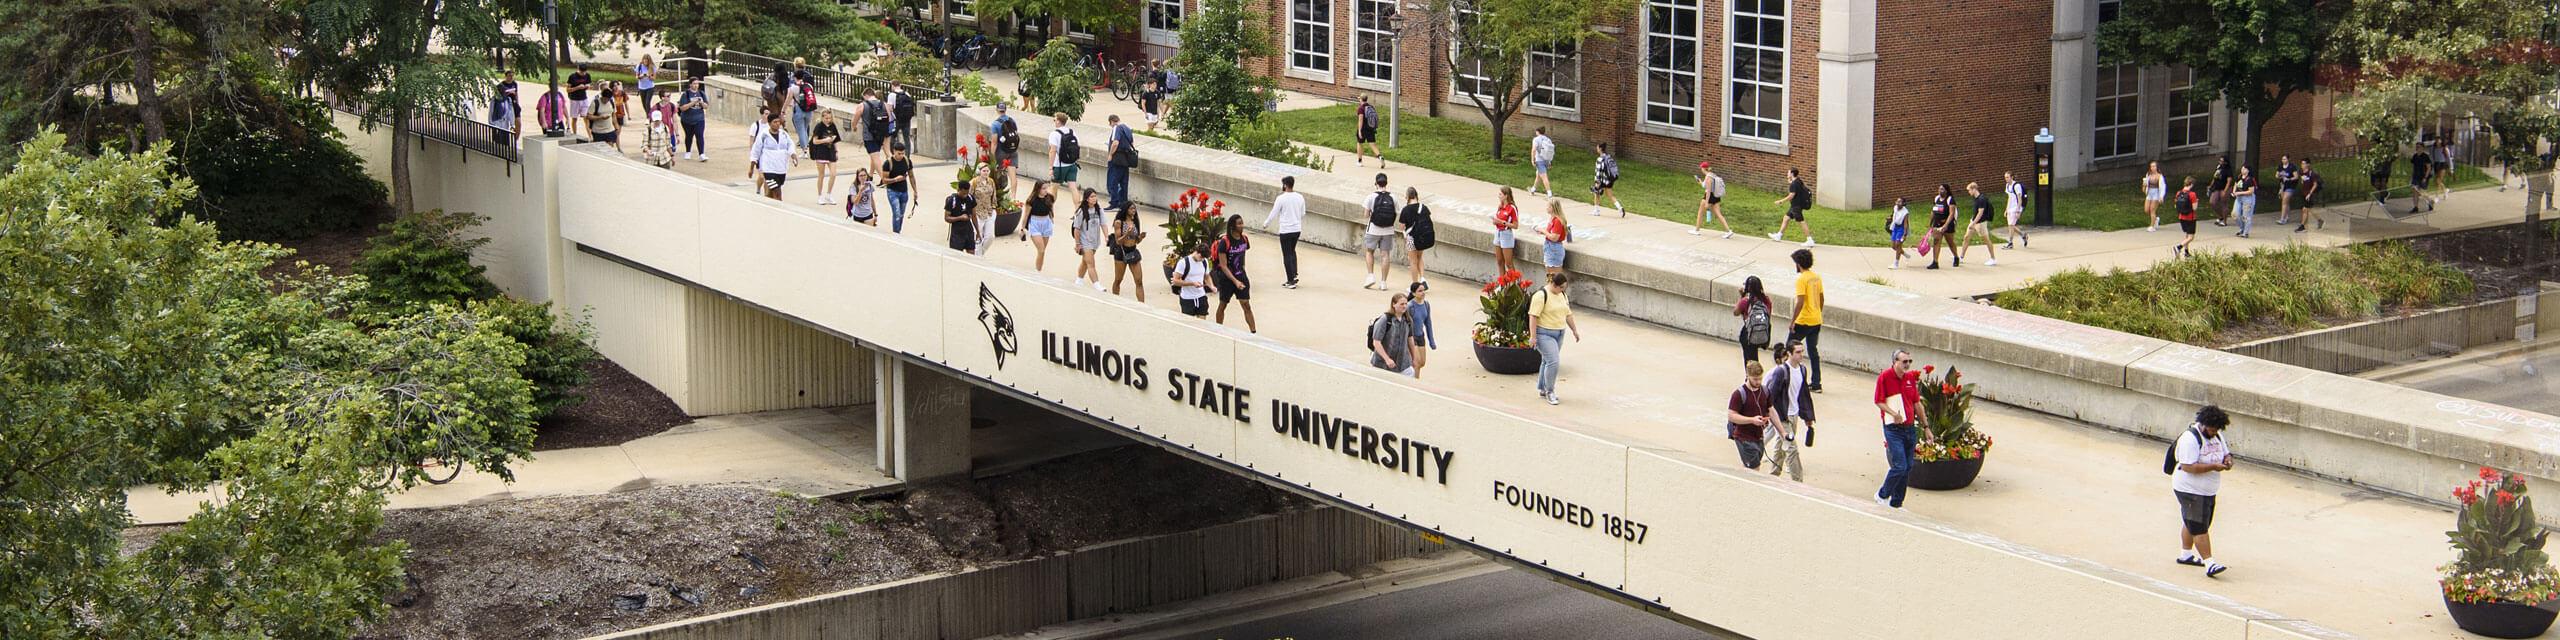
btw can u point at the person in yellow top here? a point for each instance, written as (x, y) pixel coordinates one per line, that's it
(1550, 315)
(1808, 320)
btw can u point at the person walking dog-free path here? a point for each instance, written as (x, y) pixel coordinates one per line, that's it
(1791, 403)
(2200, 457)
(1808, 316)
(1287, 209)
(1899, 440)
(1550, 314)
(1798, 199)
(1391, 338)
(1748, 416)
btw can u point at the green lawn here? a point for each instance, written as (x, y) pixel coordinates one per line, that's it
(2109, 207)
(600, 75)
(1458, 148)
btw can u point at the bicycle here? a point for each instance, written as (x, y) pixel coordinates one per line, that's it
(1130, 80)
(437, 458)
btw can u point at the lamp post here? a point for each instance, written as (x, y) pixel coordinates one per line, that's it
(550, 50)
(1395, 74)
(2044, 177)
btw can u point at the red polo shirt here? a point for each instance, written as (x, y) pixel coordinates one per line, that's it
(1889, 385)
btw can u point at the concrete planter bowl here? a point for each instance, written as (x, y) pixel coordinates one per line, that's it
(1946, 475)
(1509, 361)
(2501, 619)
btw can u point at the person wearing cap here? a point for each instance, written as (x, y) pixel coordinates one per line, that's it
(1004, 156)
(2200, 457)
(1710, 199)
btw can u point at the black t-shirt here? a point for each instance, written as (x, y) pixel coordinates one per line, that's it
(2221, 177)
(1941, 208)
(1803, 198)
(2419, 165)
(964, 232)
(2309, 182)
(1039, 206)
(577, 79)
(1418, 217)
(1981, 208)
(894, 168)
(823, 130)
(507, 91)
(1150, 99)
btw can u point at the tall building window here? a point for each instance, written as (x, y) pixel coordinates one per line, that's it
(2109, 9)
(959, 9)
(1468, 77)
(1759, 70)
(2190, 111)
(1671, 62)
(1555, 77)
(1164, 15)
(2119, 112)
(1373, 47)
(1311, 35)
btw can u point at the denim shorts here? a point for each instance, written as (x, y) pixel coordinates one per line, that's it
(1542, 165)
(1038, 227)
(1502, 239)
(1555, 255)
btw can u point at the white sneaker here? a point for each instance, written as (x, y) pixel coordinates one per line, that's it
(1693, 232)
(706, 157)
(826, 200)
(1097, 286)
(1881, 502)
(2153, 228)
(1079, 282)
(1360, 161)
(688, 155)
(1774, 236)
(1896, 265)
(1728, 235)
(1808, 241)
(1551, 399)
(1368, 282)
(1994, 262)
(1595, 211)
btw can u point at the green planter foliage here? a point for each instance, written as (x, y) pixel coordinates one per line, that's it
(1216, 88)
(2499, 545)
(1057, 84)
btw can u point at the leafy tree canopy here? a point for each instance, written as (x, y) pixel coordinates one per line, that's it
(2251, 53)
(1216, 88)
(820, 30)
(1493, 39)
(2494, 59)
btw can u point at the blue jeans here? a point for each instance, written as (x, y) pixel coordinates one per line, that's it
(1550, 357)
(1898, 443)
(1117, 182)
(2244, 208)
(1811, 334)
(897, 212)
(800, 124)
(693, 136)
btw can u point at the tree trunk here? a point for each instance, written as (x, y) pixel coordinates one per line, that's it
(146, 84)
(402, 200)
(1497, 117)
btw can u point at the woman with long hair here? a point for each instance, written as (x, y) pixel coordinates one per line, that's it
(822, 150)
(1088, 230)
(1556, 233)
(1506, 220)
(857, 201)
(2155, 188)
(1037, 224)
(1226, 271)
(1125, 235)
(1753, 295)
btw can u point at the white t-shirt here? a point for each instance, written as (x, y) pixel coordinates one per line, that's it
(1795, 388)
(2017, 196)
(1900, 214)
(1369, 205)
(1286, 210)
(2210, 451)
(1055, 139)
(1194, 270)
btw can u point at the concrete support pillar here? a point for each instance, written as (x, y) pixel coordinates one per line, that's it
(922, 419)
(1845, 159)
(2072, 105)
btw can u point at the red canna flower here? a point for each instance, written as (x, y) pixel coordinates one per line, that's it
(964, 153)
(2488, 474)
(2506, 499)
(982, 139)
(1489, 287)
(1929, 369)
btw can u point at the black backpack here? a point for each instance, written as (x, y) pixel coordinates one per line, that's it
(1382, 210)
(2169, 460)
(1008, 136)
(906, 106)
(878, 119)
(1068, 151)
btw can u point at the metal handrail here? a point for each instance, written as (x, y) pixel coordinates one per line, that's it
(456, 130)
(830, 82)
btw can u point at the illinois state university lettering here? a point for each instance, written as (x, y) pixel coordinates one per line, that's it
(1362, 442)
(1107, 364)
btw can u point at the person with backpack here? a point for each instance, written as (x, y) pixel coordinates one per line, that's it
(774, 157)
(804, 104)
(1226, 268)
(1550, 315)
(1191, 281)
(1900, 441)
(1754, 309)
(895, 176)
(857, 201)
(1604, 180)
(2195, 465)
(2185, 201)
(1556, 233)
(875, 123)
(506, 110)
(902, 113)
(2017, 192)
(1980, 223)
(1897, 227)
(1542, 153)
(1064, 150)
(1008, 145)
(689, 111)
(1748, 416)
(1799, 199)
(1367, 123)
(1391, 338)
(1710, 200)
(1419, 236)
(1287, 210)
(1378, 240)
(777, 88)
(602, 124)
(1124, 156)
(1791, 406)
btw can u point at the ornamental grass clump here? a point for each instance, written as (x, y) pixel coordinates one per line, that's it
(2195, 299)
(1946, 418)
(2500, 545)
(1506, 312)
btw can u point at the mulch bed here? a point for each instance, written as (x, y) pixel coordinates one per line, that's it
(2497, 258)
(619, 408)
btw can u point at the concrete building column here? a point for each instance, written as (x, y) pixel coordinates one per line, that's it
(2075, 53)
(1845, 147)
(921, 422)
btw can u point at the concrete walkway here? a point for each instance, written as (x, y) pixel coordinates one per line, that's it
(2299, 547)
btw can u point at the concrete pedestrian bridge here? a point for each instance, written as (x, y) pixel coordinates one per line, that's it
(731, 302)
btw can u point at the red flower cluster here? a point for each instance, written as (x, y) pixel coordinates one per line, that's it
(982, 141)
(2467, 495)
(1509, 277)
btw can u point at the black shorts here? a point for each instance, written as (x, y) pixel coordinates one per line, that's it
(1715, 199)
(609, 136)
(1195, 306)
(1126, 255)
(1795, 213)
(1233, 288)
(2187, 226)
(2196, 511)
(1367, 134)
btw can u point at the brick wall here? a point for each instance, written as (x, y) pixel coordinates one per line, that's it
(1961, 88)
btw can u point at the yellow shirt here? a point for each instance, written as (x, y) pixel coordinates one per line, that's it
(1549, 311)
(1809, 293)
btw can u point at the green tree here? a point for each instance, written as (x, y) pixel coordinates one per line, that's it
(425, 259)
(820, 30)
(160, 60)
(1490, 42)
(2254, 54)
(397, 59)
(1090, 16)
(1055, 82)
(135, 353)
(2414, 60)
(1216, 86)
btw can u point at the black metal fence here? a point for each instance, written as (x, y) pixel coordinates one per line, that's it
(457, 130)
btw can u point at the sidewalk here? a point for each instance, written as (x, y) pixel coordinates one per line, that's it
(2300, 547)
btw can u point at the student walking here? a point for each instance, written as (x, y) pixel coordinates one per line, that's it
(1710, 200)
(1556, 234)
(1287, 209)
(2244, 198)
(1378, 240)
(2310, 190)
(1755, 310)
(1391, 338)
(876, 125)
(2155, 188)
(1419, 237)
(1418, 309)
(1064, 150)
(1942, 224)
(1088, 230)
(1798, 199)
(902, 115)
(1226, 269)
(1150, 102)
(1791, 402)
(1542, 154)
(1899, 440)
(857, 201)
(804, 103)
(983, 190)
(895, 175)
(2421, 168)
(1980, 222)
(1808, 316)
(1008, 146)
(1550, 315)
(822, 150)
(2442, 167)
(960, 209)
(2200, 456)
(579, 84)
(689, 111)
(602, 122)
(2221, 188)
(1191, 281)
(1897, 227)
(2288, 182)
(1125, 235)
(1506, 226)
(1038, 223)
(774, 156)
(1748, 417)
(1364, 142)
(2186, 206)
(1604, 180)
(645, 76)
(2017, 193)
(1124, 156)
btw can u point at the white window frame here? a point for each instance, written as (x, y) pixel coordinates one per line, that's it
(960, 9)
(1567, 55)
(1465, 70)
(1364, 38)
(1733, 82)
(2127, 101)
(1299, 25)
(1154, 12)
(2199, 124)
(1696, 72)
